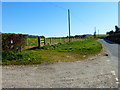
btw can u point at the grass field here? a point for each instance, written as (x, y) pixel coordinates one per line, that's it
(73, 51)
(34, 41)
(100, 35)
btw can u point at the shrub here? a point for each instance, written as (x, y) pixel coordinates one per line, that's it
(20, 55)
(13, 42)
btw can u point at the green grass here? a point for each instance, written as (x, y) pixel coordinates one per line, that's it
(32, 41)
(73, 51)
(25, 57)
(100, 35)
(53, 40)
(90, 46)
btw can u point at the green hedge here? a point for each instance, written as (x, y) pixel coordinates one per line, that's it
(13, 42)
(114, 38)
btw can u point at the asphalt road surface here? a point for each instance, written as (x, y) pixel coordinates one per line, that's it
(111, 47)
(112, 50)
(100, 71)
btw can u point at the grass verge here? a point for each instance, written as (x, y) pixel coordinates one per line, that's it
(73, 51)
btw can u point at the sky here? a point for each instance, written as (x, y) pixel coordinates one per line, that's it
(50, 19)
(119, 14)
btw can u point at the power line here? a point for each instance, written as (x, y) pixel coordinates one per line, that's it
(72, 14)
(65, 9)
(57, 6)
(78, 18)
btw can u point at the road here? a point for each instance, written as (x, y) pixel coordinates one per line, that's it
(111, 47)
(100, 71)
(112, 50)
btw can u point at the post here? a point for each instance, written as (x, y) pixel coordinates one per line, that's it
(20, 48)
(95, 33)
(38, 42)
(60, 40)
(98, 32)
(44, 41)
(50, 40)
(69, 23)
(63, 40)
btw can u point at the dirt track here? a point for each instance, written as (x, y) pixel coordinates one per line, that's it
(96, 72)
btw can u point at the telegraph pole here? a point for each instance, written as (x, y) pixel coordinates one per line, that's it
(95, 33)
(95, 29)
(69, 23)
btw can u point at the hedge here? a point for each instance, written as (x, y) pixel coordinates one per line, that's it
(114, 38)
(13, 42)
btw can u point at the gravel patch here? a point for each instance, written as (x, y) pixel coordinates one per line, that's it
(96, 72)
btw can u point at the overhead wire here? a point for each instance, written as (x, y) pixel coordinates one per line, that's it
(72, 14)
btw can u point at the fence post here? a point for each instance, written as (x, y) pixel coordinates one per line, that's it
(44, 41)
(63, 39)
(38, 42)
(20, 49)
(60, 40)
(50, 40)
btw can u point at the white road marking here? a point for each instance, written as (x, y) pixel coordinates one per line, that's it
(116, 79)
(107, 60)
(117, 82)
(113, 72)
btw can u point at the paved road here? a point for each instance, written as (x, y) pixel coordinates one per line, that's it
(111, 47)
(96, 72)
(112, 50)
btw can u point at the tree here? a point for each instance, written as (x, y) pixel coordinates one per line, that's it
(111, 32)
(116, 29)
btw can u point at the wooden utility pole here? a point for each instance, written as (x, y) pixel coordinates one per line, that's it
(69, 23)
(98, 32)
(95, 33)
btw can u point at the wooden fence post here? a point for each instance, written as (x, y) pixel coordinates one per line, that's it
(44, 42)
(60, 40)
(50, 40)
(63, 39)
(38, 42)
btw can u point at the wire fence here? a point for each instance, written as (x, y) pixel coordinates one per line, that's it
(38, 42)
